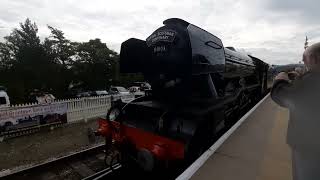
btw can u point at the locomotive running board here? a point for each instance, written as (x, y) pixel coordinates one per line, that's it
(188, 173)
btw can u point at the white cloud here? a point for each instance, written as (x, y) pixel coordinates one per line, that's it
(269, 29)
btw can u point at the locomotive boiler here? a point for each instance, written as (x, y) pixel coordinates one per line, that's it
(199, 87)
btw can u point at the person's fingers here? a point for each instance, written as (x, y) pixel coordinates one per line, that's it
(294, 73)
(298, 70)
(282, 75)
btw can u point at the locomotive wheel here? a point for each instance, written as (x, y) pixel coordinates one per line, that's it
(128, 155)
(145, 160)
(197, 145)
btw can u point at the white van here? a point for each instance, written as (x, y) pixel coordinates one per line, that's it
(4, 99)
(5, 103)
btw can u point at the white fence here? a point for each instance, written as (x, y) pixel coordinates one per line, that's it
(79, 108)
(86, 108)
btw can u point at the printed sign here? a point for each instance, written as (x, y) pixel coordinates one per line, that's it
(164, 36)
(15, 118)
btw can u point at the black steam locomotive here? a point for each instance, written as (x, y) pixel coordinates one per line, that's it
(199, 87)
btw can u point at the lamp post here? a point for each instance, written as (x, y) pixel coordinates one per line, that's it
(306, 43)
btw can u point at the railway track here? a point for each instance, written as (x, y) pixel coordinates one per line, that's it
(105, 173)
(28, 130)
(86, 164)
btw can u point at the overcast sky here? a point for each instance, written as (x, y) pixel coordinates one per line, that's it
(272, 30)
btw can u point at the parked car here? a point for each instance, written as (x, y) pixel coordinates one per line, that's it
(40, 97)
(118, 90)
(83, 94)
(120, 96)
(136, 91)
(99, 93)
(45, 98)
(143, 85)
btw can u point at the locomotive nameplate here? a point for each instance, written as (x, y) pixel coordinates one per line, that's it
(161, 36)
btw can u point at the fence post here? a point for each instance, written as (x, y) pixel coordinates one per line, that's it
(85, 109)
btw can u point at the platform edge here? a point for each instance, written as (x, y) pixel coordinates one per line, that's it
(193, 168)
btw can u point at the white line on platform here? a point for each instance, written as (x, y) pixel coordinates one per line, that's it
(188, 173)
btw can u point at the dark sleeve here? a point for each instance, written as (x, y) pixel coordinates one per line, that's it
(282, 93)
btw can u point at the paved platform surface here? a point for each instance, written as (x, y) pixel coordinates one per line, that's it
(257, 150)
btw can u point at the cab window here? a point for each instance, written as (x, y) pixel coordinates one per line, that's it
(3, 100)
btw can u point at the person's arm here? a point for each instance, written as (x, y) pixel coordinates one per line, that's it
(282, 91)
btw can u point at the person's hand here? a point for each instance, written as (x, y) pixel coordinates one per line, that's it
(293, 75)
(300, 70)
(282, 76)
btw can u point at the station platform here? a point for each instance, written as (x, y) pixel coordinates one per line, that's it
(256, 150)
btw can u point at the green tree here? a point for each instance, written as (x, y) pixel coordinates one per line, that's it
(94, 64)
(26, 63)
(61, 51)
(59, 47)
(6, 57)
(29, 65)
